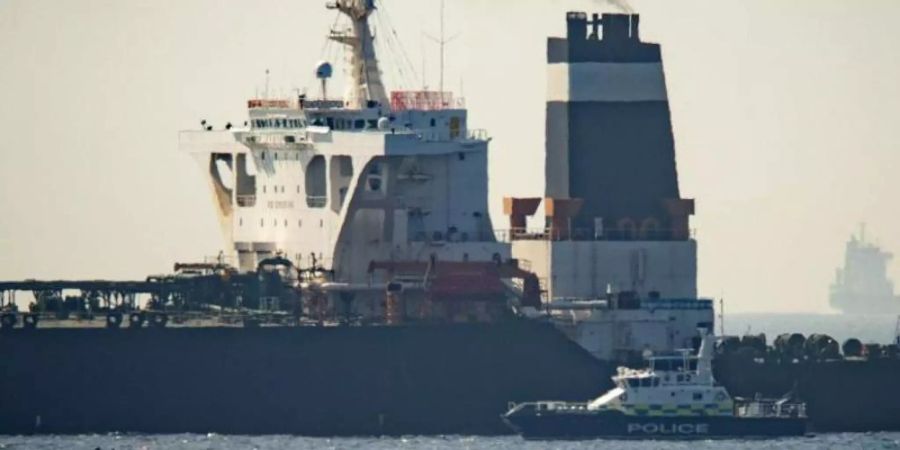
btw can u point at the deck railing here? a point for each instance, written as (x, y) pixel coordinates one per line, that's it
(586, 234)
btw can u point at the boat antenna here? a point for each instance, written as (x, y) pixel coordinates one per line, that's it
(266, 92)
(442, 42)
(897, 332)
(721, 316)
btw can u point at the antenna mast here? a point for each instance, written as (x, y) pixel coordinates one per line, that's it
(721, 316)
(442, 42)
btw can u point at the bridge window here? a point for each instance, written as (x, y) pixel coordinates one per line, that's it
(373, 179)
(359, 124)
(316, 195)
(341, 174)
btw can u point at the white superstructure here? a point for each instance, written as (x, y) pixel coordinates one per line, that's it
(680, 385)
(339, 184)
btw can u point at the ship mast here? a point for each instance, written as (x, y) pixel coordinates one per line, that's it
(364, 83)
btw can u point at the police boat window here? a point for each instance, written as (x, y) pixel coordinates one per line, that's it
(359, 124)
(698, 396)
(692, 364)
(633, 382)
(646, 382)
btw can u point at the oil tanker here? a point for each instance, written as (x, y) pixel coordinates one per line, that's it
(364, 283)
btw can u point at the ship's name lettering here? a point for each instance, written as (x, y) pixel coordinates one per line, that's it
(280, 204)
(668, 428)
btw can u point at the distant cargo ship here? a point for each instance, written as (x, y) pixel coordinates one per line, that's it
(862, 285)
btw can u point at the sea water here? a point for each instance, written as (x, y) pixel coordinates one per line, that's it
(213, 441)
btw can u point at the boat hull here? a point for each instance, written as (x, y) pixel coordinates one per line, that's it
(615, 425)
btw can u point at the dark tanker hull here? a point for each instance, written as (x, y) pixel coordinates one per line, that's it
(840, 395)
(317, 381)
(615, 425)
(360, 380)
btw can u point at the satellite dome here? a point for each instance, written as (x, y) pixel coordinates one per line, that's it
(384, 123)
(323, 70)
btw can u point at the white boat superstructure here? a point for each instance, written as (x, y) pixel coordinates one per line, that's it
(681, 384)
(339, 184)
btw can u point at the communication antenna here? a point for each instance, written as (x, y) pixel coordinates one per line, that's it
(424, 76)
(443, 41)
(266, 93)
(897, 332)
(721, 316)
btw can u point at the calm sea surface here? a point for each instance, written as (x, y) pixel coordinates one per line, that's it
(191, 441)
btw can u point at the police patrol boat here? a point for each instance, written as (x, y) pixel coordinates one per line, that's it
(675, 397)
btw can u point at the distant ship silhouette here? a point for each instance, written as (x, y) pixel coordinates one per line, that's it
(862, 285)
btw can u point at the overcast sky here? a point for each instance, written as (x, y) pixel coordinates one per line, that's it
(785, 116)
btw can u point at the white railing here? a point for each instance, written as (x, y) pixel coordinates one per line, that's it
(477, 134)
(586, 234)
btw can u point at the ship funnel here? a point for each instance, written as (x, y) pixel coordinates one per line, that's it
(609, 134)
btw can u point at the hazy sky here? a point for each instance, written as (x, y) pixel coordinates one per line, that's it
(785, 115)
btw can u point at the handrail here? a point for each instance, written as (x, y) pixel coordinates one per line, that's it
(586, 234)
